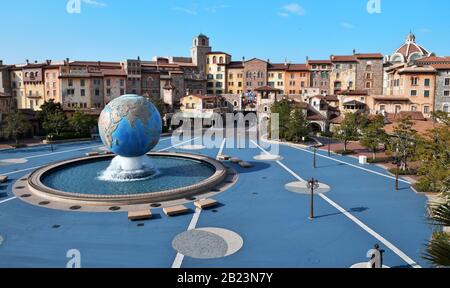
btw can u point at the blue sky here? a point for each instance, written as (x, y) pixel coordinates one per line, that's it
(277, 29)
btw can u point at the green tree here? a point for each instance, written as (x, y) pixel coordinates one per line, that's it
(350, 127)
(48, 108)
(16, 124)
(82, 123)
(283, 109)
(434, 153)
(297, 127)
(403, 142)
(374, 135)
(55, 123)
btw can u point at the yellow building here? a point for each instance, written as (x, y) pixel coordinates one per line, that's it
(409, 89)
(28, 85)
(276, 76)
(343, 73)
(52, 83)
(216, 68)
(235, 78)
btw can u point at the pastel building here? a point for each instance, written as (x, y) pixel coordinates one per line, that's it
(343, 73)
(297, 79)
(319, 79)
(235, 78)
(216, 69)
(277, 76)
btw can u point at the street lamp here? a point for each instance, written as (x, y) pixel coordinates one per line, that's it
(312, 184)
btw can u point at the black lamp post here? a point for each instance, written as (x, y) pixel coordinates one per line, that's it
(315, 157)
(312, 185)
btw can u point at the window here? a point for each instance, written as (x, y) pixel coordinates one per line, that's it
(382, 108)
(82, 82)
(398, 108)
(219, 85)
(83, 92)
(368, 85)
(426, 93)
(221, 60)
(447, 82)
(427, 82)
(214, 60)
(210, 84)
(413, 108)
(122, 91)
(413, 92)
(97, 92)
(108, 92)
(414, 81)
(280, 76)
(108, 82)
(338, 66)
(230, 76)
(122, 82)
(210, 76)
(219, 68)
(447, 93)
(445, 108)
(426, 109)
(70, 82)
(219, 76)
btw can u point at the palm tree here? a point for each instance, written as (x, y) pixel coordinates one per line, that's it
(438, 248)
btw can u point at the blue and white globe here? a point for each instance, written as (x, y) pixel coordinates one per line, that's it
(130, 126)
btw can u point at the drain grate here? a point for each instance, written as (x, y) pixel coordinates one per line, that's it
(255, 193)
(155, 205)
(20, 187)
(215, 211)
(56, 226)
(140, 225)
(44, 203)
(76, 207)
(25, 196)
(114, 208)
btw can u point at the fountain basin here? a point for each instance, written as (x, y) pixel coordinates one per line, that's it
(182, 175)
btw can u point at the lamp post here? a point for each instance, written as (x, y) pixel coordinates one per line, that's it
(315, 157)
(312, 184)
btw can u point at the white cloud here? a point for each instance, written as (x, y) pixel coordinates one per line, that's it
(95, 3)
(347, 25)
(190, 11)
(216, 8)
(291, 9)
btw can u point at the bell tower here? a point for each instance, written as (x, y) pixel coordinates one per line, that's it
(200, 47)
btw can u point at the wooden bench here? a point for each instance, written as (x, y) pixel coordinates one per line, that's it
(206, 203)
(91, 154)
(235, 160)
(3, 179)
(175, 210)
(223, 158)
(244, 164)
(140, 215)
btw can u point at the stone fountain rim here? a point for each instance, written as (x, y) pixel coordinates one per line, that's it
(36, 186)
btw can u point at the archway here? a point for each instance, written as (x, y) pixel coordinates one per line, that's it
(314, 128)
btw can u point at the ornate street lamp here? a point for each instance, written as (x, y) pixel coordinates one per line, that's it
(312, 184)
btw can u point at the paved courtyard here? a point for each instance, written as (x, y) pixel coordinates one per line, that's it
(361, 209)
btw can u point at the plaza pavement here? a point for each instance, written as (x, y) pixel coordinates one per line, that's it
(273, 222)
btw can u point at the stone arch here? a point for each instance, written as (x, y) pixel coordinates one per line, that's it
(315, 128)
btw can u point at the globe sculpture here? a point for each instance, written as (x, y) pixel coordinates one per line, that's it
(130, 126)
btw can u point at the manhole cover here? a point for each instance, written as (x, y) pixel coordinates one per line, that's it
(77, 207)
(25, 196)
(155, 205)
(44, 203)
(114, 208)
(207, 243)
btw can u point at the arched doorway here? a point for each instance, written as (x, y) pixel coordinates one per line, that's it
(314, 128)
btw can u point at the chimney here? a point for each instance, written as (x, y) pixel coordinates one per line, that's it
(354, 51)
(243, 59)
(268, 60)
(307, 58)
(48, 62)
(28, 61)
(285, 62)
(1, 62)
(67, 60)
(139, 58)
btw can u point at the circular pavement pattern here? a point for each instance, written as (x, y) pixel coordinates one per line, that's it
(301, 188)
(268, 157)
(207, 243)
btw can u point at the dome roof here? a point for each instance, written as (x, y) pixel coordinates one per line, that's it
(409, 51)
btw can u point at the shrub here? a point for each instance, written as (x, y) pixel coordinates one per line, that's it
(377, 160)
(67, 136)
(327, 134)
(345, 152)
(17, 146)
(424, 185)
(407, 172)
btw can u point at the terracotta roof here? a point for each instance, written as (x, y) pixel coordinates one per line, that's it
(316, 117)
(277, 66)
(343, 58)
(434, 60)
(319, 62)
(369, 56)
(337, 120)
(354, 102)
(331, 98)
(416, 116)
(298, 67)
(391, 98)
(235, 64)
(353, 92)
(441, 66)
(217, 52)
(417, 69)
(420, 126)
(267, 89)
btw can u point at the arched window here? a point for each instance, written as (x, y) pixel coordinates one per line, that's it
(235, 103)
(204, 42)
(207, 60)
(221, 60)
(214, 60)
(369, 68)
(445, 108)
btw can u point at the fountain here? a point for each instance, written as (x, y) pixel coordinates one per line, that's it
(130, 127)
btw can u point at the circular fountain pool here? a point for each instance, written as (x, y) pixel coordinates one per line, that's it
(177, 176)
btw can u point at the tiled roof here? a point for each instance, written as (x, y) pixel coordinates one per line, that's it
(343, 58)
(337, 120)
(417, 116)
(391, 99)
(267, 89)
(353, 92)
(236, 64)
(319, 62)
(417, 69)
(369, 56)
(298, 67)
(277, 66)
